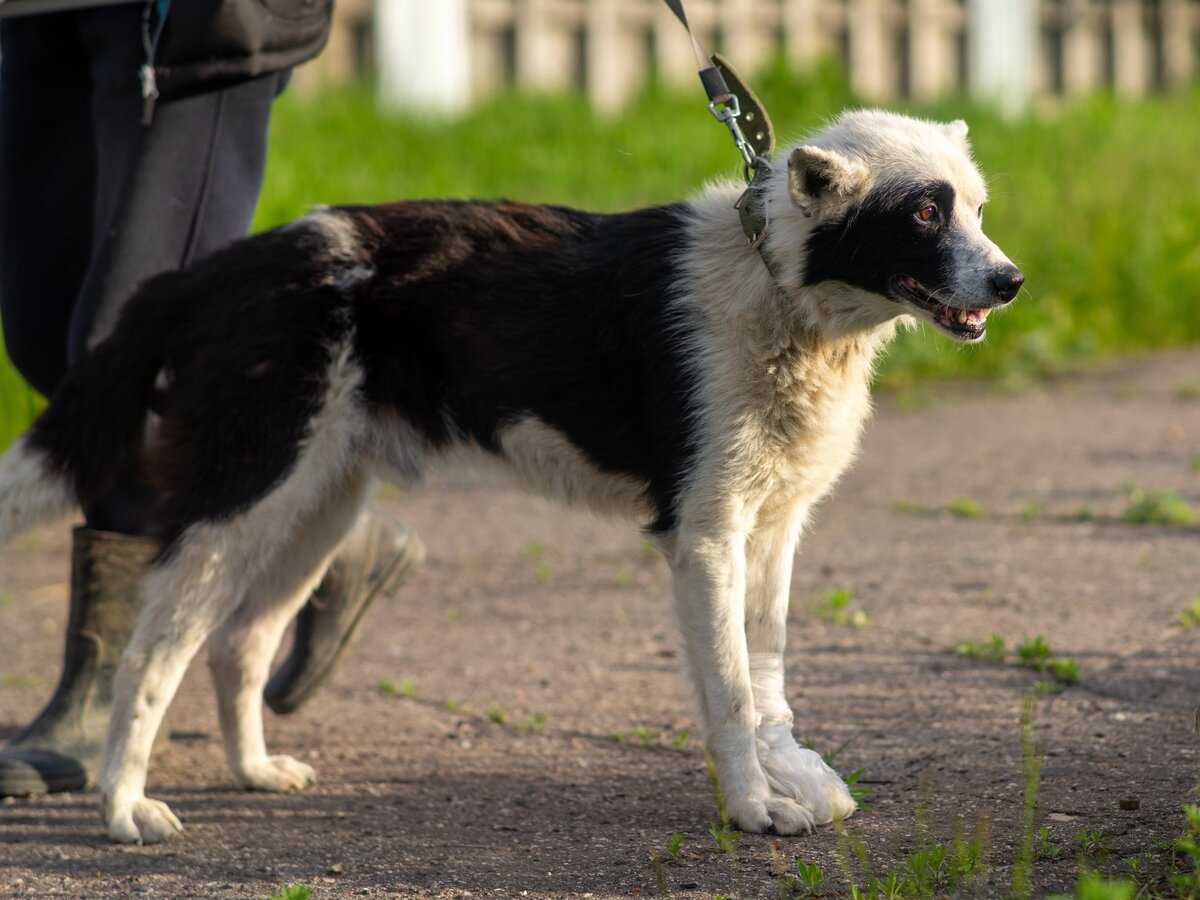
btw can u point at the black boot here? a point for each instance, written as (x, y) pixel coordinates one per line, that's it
(60, 750)
(377, 557)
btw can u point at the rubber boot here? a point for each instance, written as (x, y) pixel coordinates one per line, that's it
(376, 558)
(61, 749)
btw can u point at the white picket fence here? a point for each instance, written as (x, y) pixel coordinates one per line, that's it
(889, 48)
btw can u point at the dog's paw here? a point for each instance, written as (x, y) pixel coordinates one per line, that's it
(143, 821)
(778, 815)
(801, 775)
(277, 774)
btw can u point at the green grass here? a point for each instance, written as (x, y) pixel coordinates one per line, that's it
(964, 508)
(835, 608)
(1157, 508)
(1033, 653)
(991, 650)
(1189, 618)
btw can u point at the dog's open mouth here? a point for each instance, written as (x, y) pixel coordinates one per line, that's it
(968, 325)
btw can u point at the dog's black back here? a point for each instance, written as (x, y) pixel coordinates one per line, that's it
(464, 318)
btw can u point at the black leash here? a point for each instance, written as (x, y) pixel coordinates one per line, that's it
(730, 100)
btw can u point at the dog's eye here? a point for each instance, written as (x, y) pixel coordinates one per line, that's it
(928, 213)
(979, 212)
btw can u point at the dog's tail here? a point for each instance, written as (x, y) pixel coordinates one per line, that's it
(92, 428)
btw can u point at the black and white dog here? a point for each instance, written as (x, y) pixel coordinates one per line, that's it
(646, 364)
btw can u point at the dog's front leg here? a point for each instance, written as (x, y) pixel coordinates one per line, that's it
(791, 770)
(709, 571)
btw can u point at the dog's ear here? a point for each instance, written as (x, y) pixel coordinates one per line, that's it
(957, 132)
(815, 175)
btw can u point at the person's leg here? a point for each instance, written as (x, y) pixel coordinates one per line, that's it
(167, 193)
(199, 169)
(164, 195)
(47, 178)
(47, 182)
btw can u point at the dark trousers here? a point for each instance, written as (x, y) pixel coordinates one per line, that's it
(93, 202)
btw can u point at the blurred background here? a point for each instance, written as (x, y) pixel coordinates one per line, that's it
(1084, 114)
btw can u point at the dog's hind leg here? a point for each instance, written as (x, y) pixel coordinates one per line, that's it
(185, 596)
(792, 771)
(241, 649)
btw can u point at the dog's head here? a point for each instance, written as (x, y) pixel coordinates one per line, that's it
(891, 214)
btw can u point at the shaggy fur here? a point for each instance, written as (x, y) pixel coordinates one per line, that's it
(647, 364)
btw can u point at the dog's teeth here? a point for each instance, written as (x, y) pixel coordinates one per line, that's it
(984, 313)
(962, 317)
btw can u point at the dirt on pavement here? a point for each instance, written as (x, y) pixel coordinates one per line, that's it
(514, 723)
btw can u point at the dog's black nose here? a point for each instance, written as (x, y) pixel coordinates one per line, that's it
(1006, 281)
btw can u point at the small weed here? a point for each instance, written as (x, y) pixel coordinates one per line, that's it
(725, 837)
(964, 508)
(1194, 465)
(1022, 869)
(533, 722)
(834, 607)
(1034, 653)
(497, 713)
(6, 599)
(647, 549)
(1065, 671)
(1188, 392)
(1091, 844)
(907, 506)
(1043, 848)
(680, 740)
(710, 767)
(989, 651)
(453, 704)
(1190, 617)
(624, 578)
(535, 551)
(1139, 869)
(542, 573)
(808, 880)
(9, 680)
(643, 734)
(1157, 508)
(1031, 511)
(660, 875)
(673, 849)
(293, 892)
(928, 869)
(407, 688)
(1187, 850)
(1083, 514)
(860, 794)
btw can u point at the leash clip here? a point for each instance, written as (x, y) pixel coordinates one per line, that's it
(728, 113)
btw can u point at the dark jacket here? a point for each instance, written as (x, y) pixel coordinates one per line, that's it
(198, 45)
